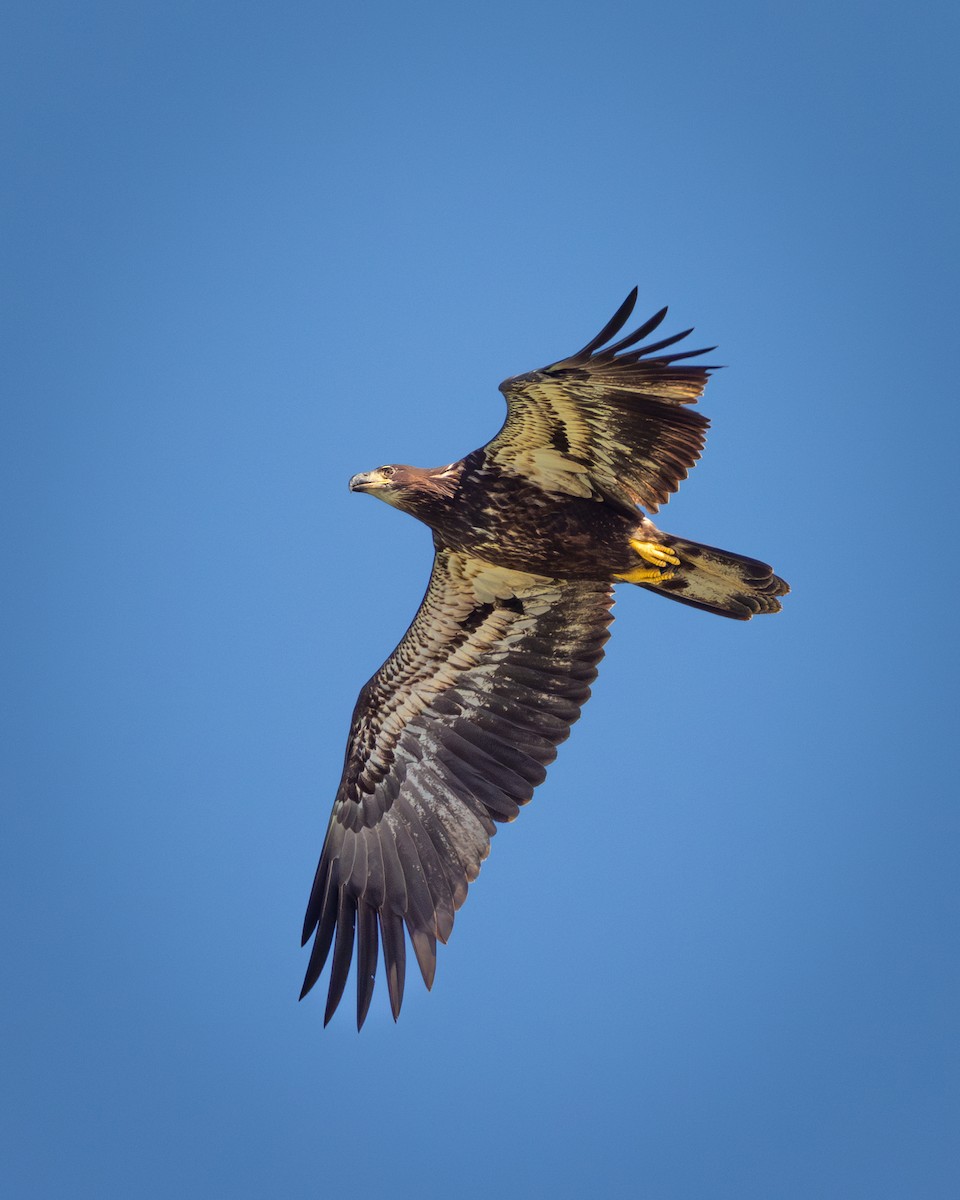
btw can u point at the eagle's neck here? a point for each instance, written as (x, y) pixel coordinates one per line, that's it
(428, 493)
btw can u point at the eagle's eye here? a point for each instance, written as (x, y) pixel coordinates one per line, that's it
(387, 472)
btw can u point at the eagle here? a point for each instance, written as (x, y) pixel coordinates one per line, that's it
(531, 534)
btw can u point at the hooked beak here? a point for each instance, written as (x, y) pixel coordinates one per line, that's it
(367, 481)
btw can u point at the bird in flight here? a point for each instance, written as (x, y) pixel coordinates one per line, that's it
(531, 534)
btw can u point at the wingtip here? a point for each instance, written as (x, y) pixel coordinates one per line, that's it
(425, 949)
(333, 1001)
(612, 327)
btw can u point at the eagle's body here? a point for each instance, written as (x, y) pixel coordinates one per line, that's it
(506, 519)
(531, 532)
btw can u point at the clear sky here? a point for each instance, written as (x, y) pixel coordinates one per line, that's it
(251, 249)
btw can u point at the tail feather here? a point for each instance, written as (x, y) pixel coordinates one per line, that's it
(718, 581)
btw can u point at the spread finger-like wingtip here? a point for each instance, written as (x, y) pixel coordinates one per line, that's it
(614, 325)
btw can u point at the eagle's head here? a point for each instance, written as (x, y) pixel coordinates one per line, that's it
(409, 488)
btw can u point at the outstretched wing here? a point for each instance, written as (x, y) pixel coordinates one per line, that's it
(608, 423)
(452, 734)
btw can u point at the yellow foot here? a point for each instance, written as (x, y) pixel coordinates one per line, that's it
(655, 554)
(644, 575)
(659, 557)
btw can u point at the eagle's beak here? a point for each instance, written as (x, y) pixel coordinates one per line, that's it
(367, 481)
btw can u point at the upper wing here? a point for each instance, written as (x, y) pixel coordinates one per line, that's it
(452, 734)
(607, 423)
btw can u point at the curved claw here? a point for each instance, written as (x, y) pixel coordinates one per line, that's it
(654, 553)
(644, 575)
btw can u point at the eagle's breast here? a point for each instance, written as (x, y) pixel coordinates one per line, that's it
(511, 520)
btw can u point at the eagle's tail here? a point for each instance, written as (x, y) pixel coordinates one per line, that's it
(718, 581)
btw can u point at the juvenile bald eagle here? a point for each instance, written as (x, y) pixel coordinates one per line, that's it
(531, 533)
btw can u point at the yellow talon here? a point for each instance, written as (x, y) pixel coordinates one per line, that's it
(644, 575)
(656, 555)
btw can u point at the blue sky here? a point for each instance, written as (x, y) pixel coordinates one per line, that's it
(252, 249)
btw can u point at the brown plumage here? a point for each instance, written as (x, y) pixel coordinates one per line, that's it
(456, 729)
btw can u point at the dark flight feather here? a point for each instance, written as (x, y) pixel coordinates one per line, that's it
(395, 958)
(614, 325)
(367, 953)
(637, 336)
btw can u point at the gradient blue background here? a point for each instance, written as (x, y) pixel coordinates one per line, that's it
(250, 249)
